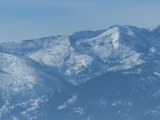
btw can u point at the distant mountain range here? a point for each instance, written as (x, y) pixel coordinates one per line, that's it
(109, 74)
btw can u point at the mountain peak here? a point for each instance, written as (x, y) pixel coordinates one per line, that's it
(153, 28)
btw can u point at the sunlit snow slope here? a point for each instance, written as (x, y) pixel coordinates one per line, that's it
(50, 78)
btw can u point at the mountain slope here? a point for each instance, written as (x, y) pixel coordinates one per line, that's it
(111, 73)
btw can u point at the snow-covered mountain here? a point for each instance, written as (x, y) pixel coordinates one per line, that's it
(111, 74)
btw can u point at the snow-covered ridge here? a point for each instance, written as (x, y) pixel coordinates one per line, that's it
(33, 68)
(81, 55)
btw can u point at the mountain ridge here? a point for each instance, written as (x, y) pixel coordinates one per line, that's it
(59, 67)
(117, 35)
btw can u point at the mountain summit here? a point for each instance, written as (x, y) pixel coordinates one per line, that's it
(88, 75)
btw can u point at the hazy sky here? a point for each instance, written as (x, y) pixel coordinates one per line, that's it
(27, 19)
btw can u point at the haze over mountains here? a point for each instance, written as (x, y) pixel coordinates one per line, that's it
(111, 74)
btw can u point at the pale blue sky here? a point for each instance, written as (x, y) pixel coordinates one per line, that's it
(27, 19)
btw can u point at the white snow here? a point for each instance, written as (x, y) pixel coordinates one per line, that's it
(115, 38)
(70, 101)
(152, 49)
